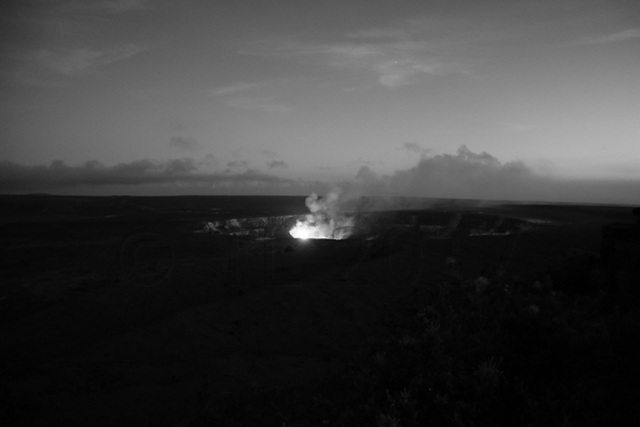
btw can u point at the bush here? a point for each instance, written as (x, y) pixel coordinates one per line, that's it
(469, 352)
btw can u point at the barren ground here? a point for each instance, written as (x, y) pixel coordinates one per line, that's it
(115, 311)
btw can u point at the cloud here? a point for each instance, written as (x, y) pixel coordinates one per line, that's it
(395, 64)
(73, 62)
(396, 73)
(379, 34)
(360, 161)
(365, 173)
(16, 178)
(465, 175)
(414, 147)
(43, 67)
(395, 56)
(277, 164)
(233, 88)
(242, 95)
(238, 164)
(619, 37)
(481, 176)
(184, 143)
(46, 40)
(257, 103)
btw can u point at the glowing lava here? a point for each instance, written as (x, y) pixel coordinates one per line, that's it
(303, 230)
(314, 227)
(323, 222)
(311, 229)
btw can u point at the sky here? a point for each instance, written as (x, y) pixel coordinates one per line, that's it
(515, 100)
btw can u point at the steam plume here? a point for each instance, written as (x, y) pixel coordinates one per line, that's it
(324, 220)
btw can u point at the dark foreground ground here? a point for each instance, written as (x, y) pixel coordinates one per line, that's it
(146, 311)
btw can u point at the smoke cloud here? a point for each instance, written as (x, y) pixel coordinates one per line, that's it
(324, 220)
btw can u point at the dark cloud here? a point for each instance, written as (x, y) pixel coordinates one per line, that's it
(367, 175)
(16, 178)
(237, 164)
(370, 181)
(481, 176)
(277, 164)
(413, 147)
(463, 175)
(211, 161)
(183, 142)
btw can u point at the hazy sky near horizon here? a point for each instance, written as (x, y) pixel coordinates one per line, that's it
(279, 96)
